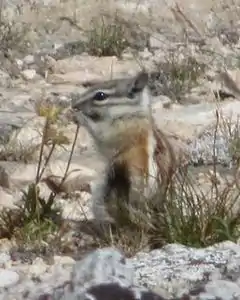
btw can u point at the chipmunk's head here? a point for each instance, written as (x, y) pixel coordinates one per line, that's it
(114, 98)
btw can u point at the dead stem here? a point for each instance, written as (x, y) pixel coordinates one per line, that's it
(45, 129)
(69, 162)
(47, 160)
(214, 182)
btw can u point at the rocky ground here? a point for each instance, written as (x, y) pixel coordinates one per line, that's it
(173, 272)
(192, 52)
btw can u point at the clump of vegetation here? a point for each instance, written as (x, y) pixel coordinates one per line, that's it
(107, 37)
(185, 215)
(12, 35)
(14, 41)
(35, 219)
(230, 129)
(38, 220)
(175, 78)
(186, 212)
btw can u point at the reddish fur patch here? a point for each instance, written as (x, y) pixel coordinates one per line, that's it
(135, 151)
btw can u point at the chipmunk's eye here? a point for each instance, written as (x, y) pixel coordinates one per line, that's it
(100, 96)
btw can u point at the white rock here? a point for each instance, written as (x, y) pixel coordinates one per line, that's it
(8, 199)
(8, 278)
(63, 260)
(28, 74)
(30, 133)
(4, 258)
(145, 54)
(19, 63)
(222, 289)
(5, 79)
(57, 46)
(189, 121)
(184, 266)
(38, 267)
(29, 59)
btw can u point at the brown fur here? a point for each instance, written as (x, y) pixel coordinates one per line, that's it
(134, 148)
(134, 155)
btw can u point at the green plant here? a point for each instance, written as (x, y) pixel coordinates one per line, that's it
(38, 219)
(230, 130)
(36, 207)
(184, 214)
(191, 217)
(107, 37)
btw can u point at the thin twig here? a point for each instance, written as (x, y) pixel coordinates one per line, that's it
(70, 157)
(47, 160)
(41, 149)
(214, 154)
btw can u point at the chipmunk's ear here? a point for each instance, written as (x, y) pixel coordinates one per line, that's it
(139, 82)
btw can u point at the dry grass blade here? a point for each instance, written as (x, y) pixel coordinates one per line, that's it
(181, 17)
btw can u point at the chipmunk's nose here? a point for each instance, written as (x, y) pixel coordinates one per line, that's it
(75, 102)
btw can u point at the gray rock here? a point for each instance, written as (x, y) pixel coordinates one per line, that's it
(89, 270)
(211, 273)
(221, 289)
(187, 273)
(201, 150)
(181, 270)
(10, 121)
(103, 274)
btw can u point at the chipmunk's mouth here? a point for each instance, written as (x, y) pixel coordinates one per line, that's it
(94, 116)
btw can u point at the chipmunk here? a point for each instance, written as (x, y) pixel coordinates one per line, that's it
(118, 115)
